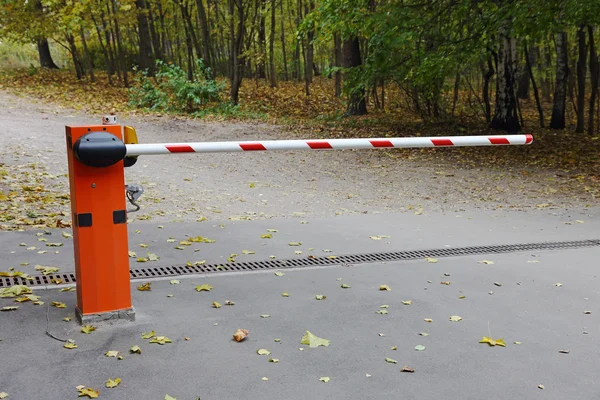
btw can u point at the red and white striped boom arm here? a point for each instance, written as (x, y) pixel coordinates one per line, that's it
(328, 144)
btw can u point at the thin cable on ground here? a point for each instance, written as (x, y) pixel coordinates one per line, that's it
(48, 325)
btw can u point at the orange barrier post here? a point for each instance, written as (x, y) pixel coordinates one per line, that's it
(99, 227)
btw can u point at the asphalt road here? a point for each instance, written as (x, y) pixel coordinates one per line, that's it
(528, 308)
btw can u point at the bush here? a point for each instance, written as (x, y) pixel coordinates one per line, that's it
(170, 90)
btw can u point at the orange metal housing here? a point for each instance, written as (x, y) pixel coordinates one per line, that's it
(99, 230)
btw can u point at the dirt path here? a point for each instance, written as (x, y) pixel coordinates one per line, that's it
(251, 186)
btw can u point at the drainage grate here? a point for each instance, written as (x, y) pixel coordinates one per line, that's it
(178, 270)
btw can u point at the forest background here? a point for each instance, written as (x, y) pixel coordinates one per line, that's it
(331, 67)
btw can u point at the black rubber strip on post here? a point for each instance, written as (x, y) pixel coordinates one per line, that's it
(99, 149)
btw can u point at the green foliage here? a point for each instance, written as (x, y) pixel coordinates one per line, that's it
(14, 55)
(170, 90)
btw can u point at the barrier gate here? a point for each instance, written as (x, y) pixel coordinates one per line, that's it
(97, 155)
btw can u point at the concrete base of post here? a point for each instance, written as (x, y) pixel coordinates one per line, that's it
(112, 316)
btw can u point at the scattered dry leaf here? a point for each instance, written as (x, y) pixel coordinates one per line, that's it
(148, 335)
(88, 329)
(160, 340)
(89, 392)
(313, 341)
(492, 342)
(240, 335)
(113, 383)
(135, 350)
(144, 287)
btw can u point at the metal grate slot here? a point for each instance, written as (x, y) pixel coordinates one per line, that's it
(178, 270)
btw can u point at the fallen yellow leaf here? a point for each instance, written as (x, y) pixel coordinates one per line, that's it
(89, 392)
(112, 383)
(492, 342)
(88, 329)
(204, 288)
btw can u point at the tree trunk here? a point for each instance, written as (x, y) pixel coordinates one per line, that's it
(487, 77)
(560, 87)
(310, 49)
(595, 75)
(299, 45)
(189, 47)
(455, 95)
(534, 87)
(523, 85)
(337, 49)
(285, 66)
(104, 50)
(46, 60)
(352, 59)
(121, 51)
(505, 116)
(88, 58)
(272, 73)
(581, 75)
(205, 32)
(156, 41)
(237, 40)
(146, 57)
(187, 18)
(262, 42)
(107, 27)
(79, 71)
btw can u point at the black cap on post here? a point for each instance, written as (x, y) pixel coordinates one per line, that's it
(99, 149)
